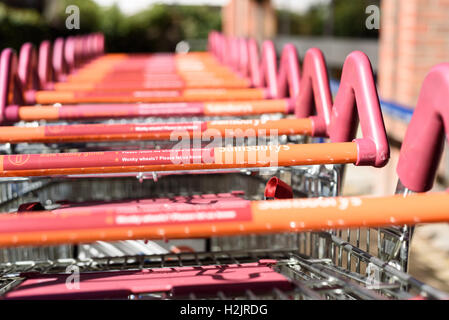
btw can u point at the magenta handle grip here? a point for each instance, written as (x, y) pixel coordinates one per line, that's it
(315, 92)
(289, 73)
(234, 53)
(305, 91)
(9, 82)
(79, 51)
(220, 47)
(91, 46)
(99, 44)
(358, 92)
(58, 61)
(243, 67)
(227, 51)
(70, 52)
(424, 140)
(264, 71)
(27, 67)
(44, 66)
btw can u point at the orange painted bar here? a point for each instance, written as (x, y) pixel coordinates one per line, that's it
(241, 108)
(156, 131)
(188, 95)
(134, 84)
(234, 108)
(244, 217)
(23, 165)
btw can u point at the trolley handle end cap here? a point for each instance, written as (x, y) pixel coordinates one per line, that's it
(369, 155)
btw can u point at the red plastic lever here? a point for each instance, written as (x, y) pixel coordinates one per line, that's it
(423, 143)
(278, 189)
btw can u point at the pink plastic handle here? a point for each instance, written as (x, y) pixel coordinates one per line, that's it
(244, 58)
(28, 67)
(86, 48)
(358, 92)
(226, 57)
(289, 73)
(101, 43)
(234, 60)
(315, 92)
(9, 82)
(232, 53)
(70, 52)
(424, 140)
(44, 66)
(98, 44)
(263, 71)
(79, 51)
(91, 46)
(82, 54)
(220, 46)
(58, 61)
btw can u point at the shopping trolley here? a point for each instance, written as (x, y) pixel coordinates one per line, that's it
(27, 60)
(284, 274)
(313, 65)
(242, 104)
(74, 92)
(365, 65)
(311, 83)
(320, 269)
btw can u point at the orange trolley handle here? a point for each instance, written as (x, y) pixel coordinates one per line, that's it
(357, 92)
(153, 221)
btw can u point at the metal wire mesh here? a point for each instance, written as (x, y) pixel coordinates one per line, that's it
(311, 278)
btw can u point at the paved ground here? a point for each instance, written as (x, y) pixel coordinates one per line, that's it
(429, 257)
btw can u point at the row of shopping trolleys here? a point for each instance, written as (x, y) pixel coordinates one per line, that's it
(211, 175)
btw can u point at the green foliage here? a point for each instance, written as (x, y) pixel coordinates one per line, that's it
(348, 20)
(157, 28)
(20, 25)
(161, 27)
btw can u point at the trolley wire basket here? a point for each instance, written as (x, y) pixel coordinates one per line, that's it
(286, 275)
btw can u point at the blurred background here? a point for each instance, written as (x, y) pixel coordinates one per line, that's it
(409, 38)
(146, 25)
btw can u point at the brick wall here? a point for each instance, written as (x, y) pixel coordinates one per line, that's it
(414, 36)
